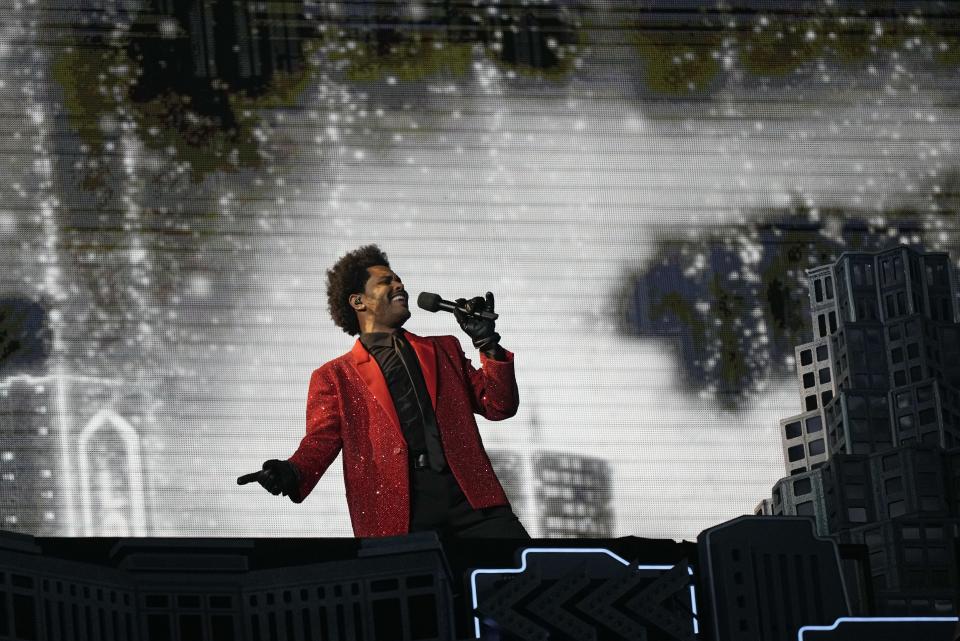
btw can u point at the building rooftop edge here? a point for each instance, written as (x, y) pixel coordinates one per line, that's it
(879, 252)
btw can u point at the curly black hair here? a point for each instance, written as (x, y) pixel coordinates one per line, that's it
(349, 276)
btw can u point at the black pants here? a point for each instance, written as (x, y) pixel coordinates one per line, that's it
(437, 503)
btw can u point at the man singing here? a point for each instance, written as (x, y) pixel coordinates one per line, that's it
(401, 407)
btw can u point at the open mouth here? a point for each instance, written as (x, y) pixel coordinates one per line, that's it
(400, 297)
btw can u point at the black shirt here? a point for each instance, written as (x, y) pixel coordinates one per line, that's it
(401, 370)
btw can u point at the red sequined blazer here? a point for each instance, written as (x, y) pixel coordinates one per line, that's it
(349, 407)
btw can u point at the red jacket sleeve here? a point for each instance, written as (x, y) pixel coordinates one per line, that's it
(493, 387)
(320, 446)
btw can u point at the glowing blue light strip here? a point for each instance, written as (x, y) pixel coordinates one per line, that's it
(693, 602)
(523, 566)
(836, 624)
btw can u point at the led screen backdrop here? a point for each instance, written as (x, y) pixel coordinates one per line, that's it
(641, 184)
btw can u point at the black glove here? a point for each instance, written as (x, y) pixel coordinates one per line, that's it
(276, 477)
(481, 330)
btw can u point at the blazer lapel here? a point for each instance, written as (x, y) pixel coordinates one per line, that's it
(427, 356)
(370, 373)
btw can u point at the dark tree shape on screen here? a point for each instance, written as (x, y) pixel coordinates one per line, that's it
(733, 302)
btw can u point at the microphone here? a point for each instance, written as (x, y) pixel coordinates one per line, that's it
(433, 303)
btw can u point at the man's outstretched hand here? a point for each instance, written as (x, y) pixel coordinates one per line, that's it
(276, 477)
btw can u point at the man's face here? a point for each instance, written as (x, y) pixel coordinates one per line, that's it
(385, 298)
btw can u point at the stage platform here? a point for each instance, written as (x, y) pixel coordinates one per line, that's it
(756, 578)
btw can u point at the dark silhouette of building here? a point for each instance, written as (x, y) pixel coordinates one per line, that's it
(872, 458)
(750, 578)
(373, 589)
(219, 590)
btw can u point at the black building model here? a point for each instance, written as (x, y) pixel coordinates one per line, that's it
(769, 577)
(874, 456)
(750, 579)
(223, 590)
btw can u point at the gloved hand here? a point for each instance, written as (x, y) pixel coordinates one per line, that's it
(480, 330)
(276, 477)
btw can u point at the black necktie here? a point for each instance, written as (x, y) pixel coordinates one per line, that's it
(431, 435)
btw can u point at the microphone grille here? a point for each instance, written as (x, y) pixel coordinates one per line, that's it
(428, 301)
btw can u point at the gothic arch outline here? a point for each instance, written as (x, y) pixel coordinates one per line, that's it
(131, 442)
